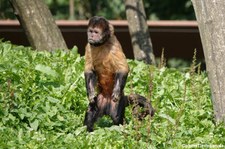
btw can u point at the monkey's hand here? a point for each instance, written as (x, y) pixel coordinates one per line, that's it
(92, 99)
(116, 96)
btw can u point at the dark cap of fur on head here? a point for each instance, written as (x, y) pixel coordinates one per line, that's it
(98, 21)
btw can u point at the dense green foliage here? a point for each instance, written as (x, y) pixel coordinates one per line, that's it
(155, 9)
(43, 101)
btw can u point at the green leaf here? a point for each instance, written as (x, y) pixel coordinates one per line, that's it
(168, 118)
(46, 70)
(34, 125)
(53, 100)
(74, 50)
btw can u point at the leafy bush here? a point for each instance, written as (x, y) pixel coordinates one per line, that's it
(43, 101)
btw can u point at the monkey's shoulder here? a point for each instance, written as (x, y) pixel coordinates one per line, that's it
(114, 41)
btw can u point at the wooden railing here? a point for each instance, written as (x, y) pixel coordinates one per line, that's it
(177, 38)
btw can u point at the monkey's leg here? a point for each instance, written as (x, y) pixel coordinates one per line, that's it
(117, 111)
(91, 116)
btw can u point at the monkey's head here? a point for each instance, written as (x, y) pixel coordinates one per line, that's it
(98, 31)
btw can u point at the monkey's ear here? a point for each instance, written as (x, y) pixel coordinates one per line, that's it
(111, 29)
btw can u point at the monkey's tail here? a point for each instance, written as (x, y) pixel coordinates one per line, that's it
(140, 101)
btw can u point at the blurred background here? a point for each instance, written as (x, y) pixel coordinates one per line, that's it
(171, 24)
(114, 10)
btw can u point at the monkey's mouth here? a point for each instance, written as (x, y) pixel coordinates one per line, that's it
(91, 41)
(95, 43)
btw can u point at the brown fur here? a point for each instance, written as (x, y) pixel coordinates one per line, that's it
(106, 60)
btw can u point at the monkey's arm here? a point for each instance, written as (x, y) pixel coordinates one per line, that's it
(90, 78)
(121, 72)
(120, 81)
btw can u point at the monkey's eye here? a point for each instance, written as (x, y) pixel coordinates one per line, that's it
(93, 31)
(96, 32)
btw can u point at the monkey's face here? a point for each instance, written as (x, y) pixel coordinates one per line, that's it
(96, 36)
(98, 31)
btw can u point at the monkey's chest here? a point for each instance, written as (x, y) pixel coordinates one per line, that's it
(106, 75)
(106, 83)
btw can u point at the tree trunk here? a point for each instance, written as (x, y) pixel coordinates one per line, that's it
(138, 28)
(71, 7)
(211, 20)
(38, 24)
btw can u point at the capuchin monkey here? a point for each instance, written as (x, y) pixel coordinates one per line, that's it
(106, 71)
